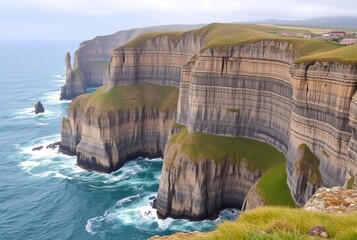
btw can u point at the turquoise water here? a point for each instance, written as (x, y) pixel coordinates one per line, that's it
(43, 194)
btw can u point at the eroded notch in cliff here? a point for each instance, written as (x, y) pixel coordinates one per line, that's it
(308, 65)
(224, 64)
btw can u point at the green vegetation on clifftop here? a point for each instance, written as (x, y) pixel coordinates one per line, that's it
(127, 97)
(274, 189)
(223, 36)
(201, 146)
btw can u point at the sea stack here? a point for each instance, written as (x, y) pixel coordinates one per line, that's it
(39, 108)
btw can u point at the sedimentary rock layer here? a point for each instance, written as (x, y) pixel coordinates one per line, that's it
(92, 59)
(157, 60)
(253, 90)
(104, 139)
(199, 190)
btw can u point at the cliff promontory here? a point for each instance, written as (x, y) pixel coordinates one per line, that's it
(225, 81)
(91, 60)
(104, 129)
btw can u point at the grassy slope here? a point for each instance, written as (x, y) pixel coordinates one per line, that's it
(347, 54)
(127, 97)
(283, 223)
(151, 35)
(222, 36)
(274, 188)
(201, 146)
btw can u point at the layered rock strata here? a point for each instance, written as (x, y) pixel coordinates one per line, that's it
(156, 60)
(92, 58)
(199, 190)
(253, 199)
(103, 140)
(253, 90)
(256, 91)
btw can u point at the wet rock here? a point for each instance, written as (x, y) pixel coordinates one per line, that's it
(39, 108)
(37, 148)
(53, 145)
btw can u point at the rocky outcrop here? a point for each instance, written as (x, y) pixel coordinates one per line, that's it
(306, 175)
(104, 139)
(75, 84)
(92, 59)
(254, 89)
(333, 200)
(104, 144)
(200, 189)
(156, 60)
(39, 108)
(253, 199)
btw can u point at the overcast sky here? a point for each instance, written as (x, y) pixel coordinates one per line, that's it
(85, 19)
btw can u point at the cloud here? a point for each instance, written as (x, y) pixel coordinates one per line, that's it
(93, 17)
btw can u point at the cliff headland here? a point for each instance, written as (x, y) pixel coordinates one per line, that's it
(225, 105)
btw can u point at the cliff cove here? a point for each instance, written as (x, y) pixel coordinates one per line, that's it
(229, 107)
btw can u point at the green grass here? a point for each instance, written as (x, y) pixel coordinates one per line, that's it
(275, 223)
(127, 97)
(222, 36)
(274, 189)
(202, 146)
(309, 163)
(350, 183)
(151, 35)
(232, 110)
(346, 54)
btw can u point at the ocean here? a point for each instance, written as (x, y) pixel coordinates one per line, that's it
(43, 193)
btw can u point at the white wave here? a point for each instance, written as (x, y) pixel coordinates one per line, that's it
(51, 98)
(29, 113)
(89, 226)
(29, 164)
(47, 162)
(126, 200)
(62, 76)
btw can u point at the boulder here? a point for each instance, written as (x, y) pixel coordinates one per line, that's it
(318, 231)
(39, 108)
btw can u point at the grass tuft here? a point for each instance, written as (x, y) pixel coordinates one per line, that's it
(283, 223)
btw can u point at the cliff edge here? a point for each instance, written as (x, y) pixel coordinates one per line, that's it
(297, 95)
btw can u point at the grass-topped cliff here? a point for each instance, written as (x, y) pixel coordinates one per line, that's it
(127, 97)
(257, 155)
(222, 36)
(200, 146)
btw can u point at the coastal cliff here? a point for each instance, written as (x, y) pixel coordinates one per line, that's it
(91, 60)
(104, 132)
(284, 92)
(197, 183)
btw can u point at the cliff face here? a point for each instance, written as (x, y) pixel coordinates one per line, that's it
(256, 91)
(199, 190)
(92, 58)
(157, 60)
(305, 110)
(103, 140)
